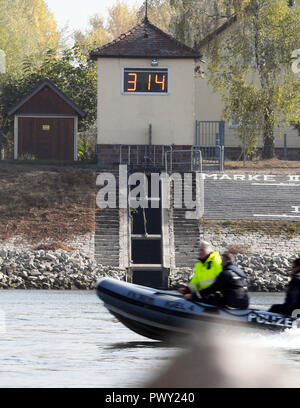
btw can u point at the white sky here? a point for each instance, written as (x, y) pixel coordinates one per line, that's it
(75, 13)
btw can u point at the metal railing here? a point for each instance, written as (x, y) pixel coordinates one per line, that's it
(194, 162)
(163, 156)
(212, 156)
(144, 155)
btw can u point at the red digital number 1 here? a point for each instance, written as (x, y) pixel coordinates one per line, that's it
(149, 82)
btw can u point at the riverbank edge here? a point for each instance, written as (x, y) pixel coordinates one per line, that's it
(74, 270)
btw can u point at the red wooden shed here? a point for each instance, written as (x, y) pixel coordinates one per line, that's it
(46, 124)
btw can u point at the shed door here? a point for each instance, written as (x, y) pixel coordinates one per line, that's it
(47, 138)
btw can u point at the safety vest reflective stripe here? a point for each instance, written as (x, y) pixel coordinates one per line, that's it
(201, 284)
(207, 281)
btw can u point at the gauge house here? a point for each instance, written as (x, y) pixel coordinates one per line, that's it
(146, 121)
(145, 95)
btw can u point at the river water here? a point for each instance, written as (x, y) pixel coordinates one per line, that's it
(68, 339)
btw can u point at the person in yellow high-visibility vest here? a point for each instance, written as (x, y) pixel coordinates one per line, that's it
(206, 270)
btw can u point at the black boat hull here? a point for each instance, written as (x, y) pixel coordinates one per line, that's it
(162, 315)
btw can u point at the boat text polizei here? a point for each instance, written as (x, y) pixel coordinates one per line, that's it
(269, 319)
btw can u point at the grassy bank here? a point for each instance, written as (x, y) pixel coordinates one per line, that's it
(46, 201)
(289, 229)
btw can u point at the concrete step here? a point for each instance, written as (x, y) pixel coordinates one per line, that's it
(108, 223)
(104, 223)
(104, 262)
(107, 249)
(105, 231)
(104, 256)
(107, 261)
(100, 235)
(106, 253)
(107, 245)
(107, 240)
(108, 219)
(186, 237)
(104, 227)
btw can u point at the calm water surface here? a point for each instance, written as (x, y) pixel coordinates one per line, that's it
(68, 339)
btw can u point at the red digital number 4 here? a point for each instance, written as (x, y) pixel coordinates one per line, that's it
(162, 83)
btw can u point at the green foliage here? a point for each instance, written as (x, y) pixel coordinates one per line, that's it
(87, 143)
(160, 13)
(27, 27)
(96, 34)
(70, 71)
(193, 20)
(121, 18)
(249, 65)
(251, 69)
(84, 147)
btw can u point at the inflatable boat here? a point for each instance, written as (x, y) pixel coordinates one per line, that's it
(160, 315)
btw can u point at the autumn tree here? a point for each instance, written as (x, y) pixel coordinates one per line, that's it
(160, 13)
(250, 64)
(27, 27)
(96, 33)
(193, 20)
(252, 70)
(121, 18)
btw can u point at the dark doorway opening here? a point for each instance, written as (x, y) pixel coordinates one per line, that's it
(146, 221)
(155, 279)
(146, 243)
(146, 252)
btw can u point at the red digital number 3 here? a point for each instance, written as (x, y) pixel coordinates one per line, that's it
(134, 82)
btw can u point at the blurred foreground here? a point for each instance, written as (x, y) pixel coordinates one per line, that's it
(216, 358)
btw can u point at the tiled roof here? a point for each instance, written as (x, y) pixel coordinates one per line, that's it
(142, 41)
(46, 83)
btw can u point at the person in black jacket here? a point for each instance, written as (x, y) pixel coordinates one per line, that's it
(230, 287)
(292, 300)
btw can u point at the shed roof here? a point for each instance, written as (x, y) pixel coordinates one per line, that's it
(41, 85)
(142, 41)
(218, 31)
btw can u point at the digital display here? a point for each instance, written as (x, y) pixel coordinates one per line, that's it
(146, 81)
